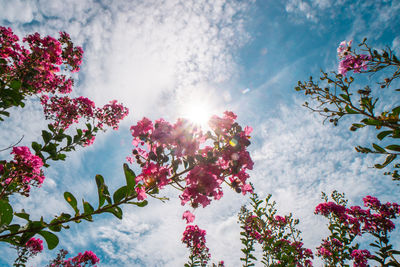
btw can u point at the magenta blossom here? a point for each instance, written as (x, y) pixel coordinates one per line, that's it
(34, 245)
(188, 216)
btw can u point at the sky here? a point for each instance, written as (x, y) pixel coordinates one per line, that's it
(158, 58)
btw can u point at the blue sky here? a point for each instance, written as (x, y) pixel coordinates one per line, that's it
(245, 56)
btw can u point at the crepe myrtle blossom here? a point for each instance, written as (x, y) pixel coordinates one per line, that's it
(88, 258)
(188, 216)
(66, 111)
(350, 60)
(375, 219)
(81, 259)
(269, 232)
(18, 175)
(344, 49)
(194, 238)
(360, 257)
(39, 66)
(192, 161)
(34, 245)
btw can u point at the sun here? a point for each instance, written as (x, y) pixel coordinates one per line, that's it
(198, 106)
(198, 112)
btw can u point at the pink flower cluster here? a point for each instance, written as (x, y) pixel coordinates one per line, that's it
(349, 60)
(21, 173)
(66, 111)
(88, 257)
(329, 248)
(195, 239)
(38, 67)
(360, 257)
(375, 219)
(167, 151)
(34, 245)
(271, 236)
(188, 216)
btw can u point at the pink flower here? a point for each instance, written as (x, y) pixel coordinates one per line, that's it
(23, 171)
(344, 48)
(355, 63)
(360, 257)
(188, 216)
(141, 193)
(280, 220)
(194, 238)
(34, 245)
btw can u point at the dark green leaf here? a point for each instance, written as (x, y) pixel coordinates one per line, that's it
(345, 97)
(116, 211)
(36, 146)
(72, 201)
(393, 147)
(396, 111)
(87, 207)
(130, 179)
(102, 189)
(371, 122)
(350, 111)
(22, 215)
(6, 213)
(51, 239)
(15, 84)
(120, 194)
(46, 136)
(378, 148)
(139, 204)
(69, 140)
(388, 159)
(55, 228)
(383, 134)
(61, 156)
(13, 228)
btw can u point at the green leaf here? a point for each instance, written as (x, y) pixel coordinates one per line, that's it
(6, 213)
(13, 228)
(345, 97)
(55, 228)
(393, 147)
(61, 156)
(130, 179)
(36, 146)
(51, 239)
(383, 134)
(349, 110)
(79, 132)
(15, 84)
(139, 204)
(356, 126)
(116, 211)
(5, 113)
(46, 136)
(388, 159)
(71, 201)
(51, 149)
(378, 148)
(120, 194)
(396, 111)
(22, 215)
(87, 207)
(102, 190)
(69, 140)
(372, 122)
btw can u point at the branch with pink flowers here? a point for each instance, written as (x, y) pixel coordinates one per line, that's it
(335, 97)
